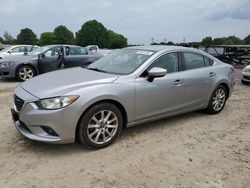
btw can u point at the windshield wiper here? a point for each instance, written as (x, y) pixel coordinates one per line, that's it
(96, 69)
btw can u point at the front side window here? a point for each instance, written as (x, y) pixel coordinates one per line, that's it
(193, 60)
(122, 62)
(55, 51)
(167, 61)
(17, 50)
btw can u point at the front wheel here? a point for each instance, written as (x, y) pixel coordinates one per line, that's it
(218, 100)
(100, 125)
(25, 72)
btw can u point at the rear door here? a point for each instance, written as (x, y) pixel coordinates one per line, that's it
(50, 60)
(162, 96)
(198, 78)
(76, 56)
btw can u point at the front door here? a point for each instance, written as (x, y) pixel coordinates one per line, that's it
(50, 60)
(164, 95)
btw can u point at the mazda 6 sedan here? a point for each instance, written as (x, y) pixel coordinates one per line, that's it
(127, 87)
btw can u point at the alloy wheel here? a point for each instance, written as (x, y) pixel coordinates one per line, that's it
(102, 127)
(25, 73)
(219, 99)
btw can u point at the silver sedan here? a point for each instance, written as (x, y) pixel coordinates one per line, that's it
(127, 87)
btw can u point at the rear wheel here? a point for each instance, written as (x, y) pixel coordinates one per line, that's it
(25, 72)
(218, 100)
(100, 126)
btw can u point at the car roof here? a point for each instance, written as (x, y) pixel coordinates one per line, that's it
(69, 45)
(157, 48)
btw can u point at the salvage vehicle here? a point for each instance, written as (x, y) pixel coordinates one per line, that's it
(16, 50)
(127, 87)
(245, 79)
(45, 59)
(231, 54)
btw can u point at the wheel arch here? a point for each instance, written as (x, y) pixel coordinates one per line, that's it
(112, 101)
(27, 64)
(226, 86)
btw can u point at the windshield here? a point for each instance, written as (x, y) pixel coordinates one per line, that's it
(124, 61)
(6, 49)
(39, 50)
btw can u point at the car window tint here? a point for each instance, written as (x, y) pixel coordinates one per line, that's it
(193, 60)
(167, 61)
(93, 48)
(55, 51)
(17, 50)
(77, 51)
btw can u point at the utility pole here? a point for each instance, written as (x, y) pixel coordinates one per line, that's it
(165, 40)
(184, 40)
(152, 40)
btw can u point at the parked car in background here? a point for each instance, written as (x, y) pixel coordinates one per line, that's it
(127, 87)
(16, 50)
(45, 59)
(93, 49)
(105, 51)
(246, 75)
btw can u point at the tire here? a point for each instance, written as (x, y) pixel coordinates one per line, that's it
(100, 126)
(25, 72)
(218, 97)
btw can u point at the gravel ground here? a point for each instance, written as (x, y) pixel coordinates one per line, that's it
(191, 150)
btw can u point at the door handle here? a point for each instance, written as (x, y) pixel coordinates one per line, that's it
(212, 74)
(178, 82)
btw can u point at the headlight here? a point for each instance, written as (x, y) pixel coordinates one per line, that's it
(246, 70)
(7, 64)
(57, 102)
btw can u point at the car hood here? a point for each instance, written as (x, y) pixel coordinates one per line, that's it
(57, 83)
(20, 58)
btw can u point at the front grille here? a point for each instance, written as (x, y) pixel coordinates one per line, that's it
(246, 77)
(18, 102)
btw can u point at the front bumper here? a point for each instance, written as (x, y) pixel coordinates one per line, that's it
(7, 72)
(245, 76)
(51, 126)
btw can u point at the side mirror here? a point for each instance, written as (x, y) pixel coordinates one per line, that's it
(10, 51)
(156, 72)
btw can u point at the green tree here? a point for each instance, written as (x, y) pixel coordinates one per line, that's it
(117, 40)
(232, 40)
(8, 39)
(170, 43)
(26, 36)
(1, 40)
(207, 41)
(93, 32)
(219, 41)
(247, 40)
(47, 38)
(63, 35)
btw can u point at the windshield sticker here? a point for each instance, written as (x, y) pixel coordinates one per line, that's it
(145, 53)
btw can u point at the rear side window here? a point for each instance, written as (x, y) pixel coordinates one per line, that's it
(208, 62)
(193, 60)
(77, 51)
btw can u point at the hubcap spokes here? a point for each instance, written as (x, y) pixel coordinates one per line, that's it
(26, 73)
(219, 99)
(102, 127)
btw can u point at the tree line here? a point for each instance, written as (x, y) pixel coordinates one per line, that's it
(91, 32)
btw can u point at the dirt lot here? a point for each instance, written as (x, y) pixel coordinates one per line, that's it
(191, 150)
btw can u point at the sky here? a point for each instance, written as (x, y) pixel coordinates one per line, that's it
(138, 20)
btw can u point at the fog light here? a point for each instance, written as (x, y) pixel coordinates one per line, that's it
(49, 131)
